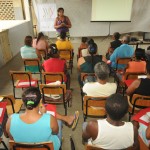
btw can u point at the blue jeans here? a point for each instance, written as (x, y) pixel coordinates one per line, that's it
(60, 125)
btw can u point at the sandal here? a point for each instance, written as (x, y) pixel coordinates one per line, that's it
(74, 124)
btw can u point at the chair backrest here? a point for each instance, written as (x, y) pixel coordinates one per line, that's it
(133, 76)
(31, 62)
(122, 61)
(90, 102)
(50, 90)
(85, 75)
(65, 54)
(43, 53)
(32, 146)
(10, 101)
(140, 100)
(53, 76)
(53, 89)
(91, 147)
(20, 75)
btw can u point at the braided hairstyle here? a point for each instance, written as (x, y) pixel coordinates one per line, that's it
(31, 97)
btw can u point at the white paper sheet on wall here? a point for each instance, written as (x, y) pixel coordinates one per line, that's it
(47, 13)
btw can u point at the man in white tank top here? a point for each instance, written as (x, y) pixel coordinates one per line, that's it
(112, 133)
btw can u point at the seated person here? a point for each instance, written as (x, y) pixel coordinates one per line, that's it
(33, 126)
(83, 47)
(142, 121)
(27, 51)
(135, 66)
(122, 51)
(101, 88)
(147, 53)
(114, 44)
(83, 44)
(63, 44)
(112, 132)
(40, 43)
(55, 64)
(139, 86)
(86, 64)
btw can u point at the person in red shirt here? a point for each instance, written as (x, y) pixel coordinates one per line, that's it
(55, 64)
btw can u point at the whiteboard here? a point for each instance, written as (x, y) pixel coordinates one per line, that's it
(111, 10)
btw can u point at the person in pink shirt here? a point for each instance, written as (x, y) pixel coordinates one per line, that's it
(40, 43)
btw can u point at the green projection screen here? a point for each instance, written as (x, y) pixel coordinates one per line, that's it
(111, 10)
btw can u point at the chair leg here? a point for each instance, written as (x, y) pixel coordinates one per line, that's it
(65, 109)
(130, 116)
(84, 117)
(41, 78)
(14, 92)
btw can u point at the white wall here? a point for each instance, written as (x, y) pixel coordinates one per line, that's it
(17, 35)
(79, 12)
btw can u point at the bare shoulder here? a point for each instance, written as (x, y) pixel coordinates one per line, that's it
(81, 60)
(136, 83)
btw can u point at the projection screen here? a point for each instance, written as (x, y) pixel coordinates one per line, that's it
(111, 10)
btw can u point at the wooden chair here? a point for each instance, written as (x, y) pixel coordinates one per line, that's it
(31, 146)
(21, 79)
(128, 76)
(68, 56)
(48, 90)
(33, 65)
(53, 77)
(133, 76)
(13, 105)
(120, 61)
(142, 146)
(138, 101)
(83, 78)
(43, 53)
(89, 103)
(91, 147)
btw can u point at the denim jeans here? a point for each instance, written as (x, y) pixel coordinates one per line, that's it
(60, 125)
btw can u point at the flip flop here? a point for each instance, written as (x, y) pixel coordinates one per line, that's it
(74, 124)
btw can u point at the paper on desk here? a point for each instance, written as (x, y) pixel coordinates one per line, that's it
(142, 76)
(26, 83)
(146, 117)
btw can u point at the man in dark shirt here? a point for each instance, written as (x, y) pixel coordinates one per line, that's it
(114, 44)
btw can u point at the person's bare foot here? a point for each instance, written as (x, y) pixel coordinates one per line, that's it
(69, 120)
